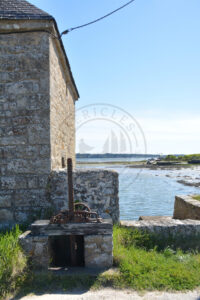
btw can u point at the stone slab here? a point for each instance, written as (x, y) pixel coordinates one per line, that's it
(164, 222)
(43, 227)
(152, 218)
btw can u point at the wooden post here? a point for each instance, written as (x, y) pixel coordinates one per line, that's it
(70, 189)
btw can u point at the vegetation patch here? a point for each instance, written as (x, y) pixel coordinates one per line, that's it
(196, 197)
(182, 157)
(143, 262)
(12, 262)
(143, 266)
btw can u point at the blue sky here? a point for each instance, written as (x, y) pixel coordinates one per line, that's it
(144, 59)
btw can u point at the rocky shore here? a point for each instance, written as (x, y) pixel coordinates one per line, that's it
(186, 174)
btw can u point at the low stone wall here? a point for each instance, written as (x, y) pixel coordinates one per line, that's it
(184, 234)
(96, 187)
(185, 207)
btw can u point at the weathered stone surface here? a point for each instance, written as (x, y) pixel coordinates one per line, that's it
(37, 98)
(6, 216)
(5, 199)
(62, 112)
(98, 251)
(184, 234)
(154, 218)
(98, 242)
(96, 187)
(43, 227)
(36, 248)
(185, 207)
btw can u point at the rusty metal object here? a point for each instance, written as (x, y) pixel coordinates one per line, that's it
(70, 189)
(78, 212)
(80, 216)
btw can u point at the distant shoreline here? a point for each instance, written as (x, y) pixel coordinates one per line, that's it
(116, 155)
(138, 164)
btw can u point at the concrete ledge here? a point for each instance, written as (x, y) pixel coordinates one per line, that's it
(185, 207)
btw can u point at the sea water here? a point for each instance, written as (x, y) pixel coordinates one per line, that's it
(146, 192)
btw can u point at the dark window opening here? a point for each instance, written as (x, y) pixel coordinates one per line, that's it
(63, 162)
(66, 251)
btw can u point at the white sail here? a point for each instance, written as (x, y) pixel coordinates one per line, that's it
(122, 143)
(114, 143)
(106, 146)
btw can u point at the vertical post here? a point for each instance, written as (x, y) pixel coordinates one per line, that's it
(71, 211)
(70, 188)
(73, 253)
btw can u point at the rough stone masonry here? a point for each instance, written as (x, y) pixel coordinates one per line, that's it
(37, 110)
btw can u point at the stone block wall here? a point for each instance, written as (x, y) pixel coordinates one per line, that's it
(62, 117)
(36, 95)
(98, 250)
(96, 187)
(24, 123)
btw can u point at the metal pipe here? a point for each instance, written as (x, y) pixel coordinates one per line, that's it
(70, 188)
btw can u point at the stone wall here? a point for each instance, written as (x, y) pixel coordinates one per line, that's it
(98, 251)
(185, 207)
(35, 95)
(168, 232)
(24, 123)
(97, 243)
(62, 113)
(96, 187)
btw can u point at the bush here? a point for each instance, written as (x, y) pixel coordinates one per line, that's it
(171, 158)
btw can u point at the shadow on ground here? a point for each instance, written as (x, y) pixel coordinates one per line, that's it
(60, 280)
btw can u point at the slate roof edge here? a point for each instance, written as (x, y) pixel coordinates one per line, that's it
(26, 17)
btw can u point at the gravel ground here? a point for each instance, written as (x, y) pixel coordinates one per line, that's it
(112, 294)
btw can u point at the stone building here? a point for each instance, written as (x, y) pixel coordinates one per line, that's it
(37, 122)
(37, 99)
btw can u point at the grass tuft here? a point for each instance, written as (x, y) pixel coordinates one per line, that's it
(12, 262)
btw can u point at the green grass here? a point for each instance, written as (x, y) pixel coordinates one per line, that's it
(12, 262)
(196, 197)
(182, 157)
(144, 267)
(143, 263)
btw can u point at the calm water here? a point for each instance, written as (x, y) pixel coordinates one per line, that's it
(149, 192)
(116, 159)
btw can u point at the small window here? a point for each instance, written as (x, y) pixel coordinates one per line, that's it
(63, 162)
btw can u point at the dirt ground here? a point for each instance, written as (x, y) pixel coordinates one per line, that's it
(112, 294)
